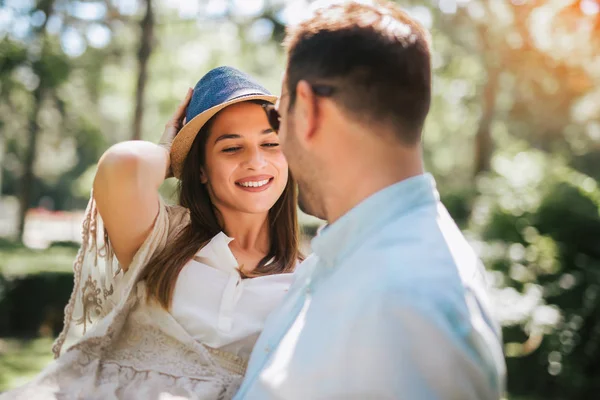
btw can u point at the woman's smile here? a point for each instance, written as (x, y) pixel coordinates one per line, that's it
(257, 183)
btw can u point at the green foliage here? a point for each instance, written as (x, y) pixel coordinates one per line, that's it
(544, 244)
(459, 205)
(53, 66)
(12, 55)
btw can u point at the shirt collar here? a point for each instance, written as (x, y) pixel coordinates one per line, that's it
(374, 212)
(217, 253)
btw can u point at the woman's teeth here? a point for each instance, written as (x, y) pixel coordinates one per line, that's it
(254, 184)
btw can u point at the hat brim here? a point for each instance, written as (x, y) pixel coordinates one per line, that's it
(185, 137)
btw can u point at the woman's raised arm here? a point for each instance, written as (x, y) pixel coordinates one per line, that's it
(126, 187)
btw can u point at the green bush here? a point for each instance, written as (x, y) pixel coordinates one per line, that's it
(65, 244)
(34, 304)
(4, 306)
(9, 244)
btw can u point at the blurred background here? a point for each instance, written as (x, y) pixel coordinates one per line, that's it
(513, 139)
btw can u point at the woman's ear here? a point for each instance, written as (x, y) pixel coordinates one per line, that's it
(203, 177)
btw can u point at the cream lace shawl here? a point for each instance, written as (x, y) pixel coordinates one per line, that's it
(116, 344)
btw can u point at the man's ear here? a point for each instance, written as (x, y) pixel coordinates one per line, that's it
(305, 112)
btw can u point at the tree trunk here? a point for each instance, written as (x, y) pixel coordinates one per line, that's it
(483, 139)
(28, 177)
(144, 52)
(2, 151)
(38, 97)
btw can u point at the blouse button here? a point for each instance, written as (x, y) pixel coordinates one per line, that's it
(267, 349)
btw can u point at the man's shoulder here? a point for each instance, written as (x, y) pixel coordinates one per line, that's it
(306, 266)
(425, 244)
(309, 261)
(417, 270)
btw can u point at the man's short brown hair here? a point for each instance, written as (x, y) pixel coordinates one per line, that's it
(375, 56)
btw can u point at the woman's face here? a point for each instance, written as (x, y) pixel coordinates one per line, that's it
(245, 170)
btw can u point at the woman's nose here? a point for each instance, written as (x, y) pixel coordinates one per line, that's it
(255, 158)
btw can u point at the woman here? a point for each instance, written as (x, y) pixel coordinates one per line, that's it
(175, 316)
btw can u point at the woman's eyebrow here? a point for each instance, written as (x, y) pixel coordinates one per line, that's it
(236, 136)
(227, 136)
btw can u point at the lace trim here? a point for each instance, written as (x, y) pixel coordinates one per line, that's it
(143, 380)
(229, 361)
(88, 229)
(82, 375)
(224, 380)
(93, 293)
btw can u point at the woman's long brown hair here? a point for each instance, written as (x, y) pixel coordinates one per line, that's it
(163, 269)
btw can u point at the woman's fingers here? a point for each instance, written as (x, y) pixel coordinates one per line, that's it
(178, 118)
(180, 113)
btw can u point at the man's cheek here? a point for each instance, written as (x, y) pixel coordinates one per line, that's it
(285, 145)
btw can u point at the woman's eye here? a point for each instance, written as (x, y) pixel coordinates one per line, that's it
(271, 144)
(231, 149)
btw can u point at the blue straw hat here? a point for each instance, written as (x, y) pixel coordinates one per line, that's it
(219, 88)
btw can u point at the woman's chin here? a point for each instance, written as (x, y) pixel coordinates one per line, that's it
(255, 206)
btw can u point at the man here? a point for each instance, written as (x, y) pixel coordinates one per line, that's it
(392, 305)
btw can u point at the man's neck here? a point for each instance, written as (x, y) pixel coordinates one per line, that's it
(362, 177)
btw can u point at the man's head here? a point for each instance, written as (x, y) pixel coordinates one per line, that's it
(358, 79)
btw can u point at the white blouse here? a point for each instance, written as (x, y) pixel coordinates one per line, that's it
(218, 308)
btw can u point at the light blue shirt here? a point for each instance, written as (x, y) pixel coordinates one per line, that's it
(392, 305)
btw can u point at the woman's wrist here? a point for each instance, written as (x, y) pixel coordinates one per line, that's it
(167, 149)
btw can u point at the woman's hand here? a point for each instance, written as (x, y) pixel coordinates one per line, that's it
(175, 123)
(173, 127)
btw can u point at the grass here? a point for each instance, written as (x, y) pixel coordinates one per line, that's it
(22, 359)
(23, 261)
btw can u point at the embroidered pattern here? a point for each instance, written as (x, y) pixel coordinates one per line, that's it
(92, 304)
